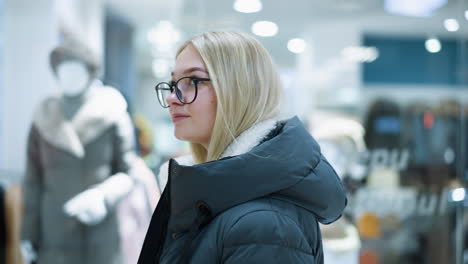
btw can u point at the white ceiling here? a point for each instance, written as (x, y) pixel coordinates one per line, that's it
(292, 16)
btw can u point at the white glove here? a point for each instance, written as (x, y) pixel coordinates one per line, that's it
(88, 207)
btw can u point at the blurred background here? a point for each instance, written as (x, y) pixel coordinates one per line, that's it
(381, 84)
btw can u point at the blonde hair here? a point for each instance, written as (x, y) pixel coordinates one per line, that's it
(246, 83)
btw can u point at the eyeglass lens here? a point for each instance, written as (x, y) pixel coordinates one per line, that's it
(186, 91)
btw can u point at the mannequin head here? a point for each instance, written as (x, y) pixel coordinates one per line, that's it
(73, 77)
(74, 66)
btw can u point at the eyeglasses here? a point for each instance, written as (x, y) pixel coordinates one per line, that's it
(186, 89)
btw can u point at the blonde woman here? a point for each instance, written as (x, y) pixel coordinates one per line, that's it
(254, 188)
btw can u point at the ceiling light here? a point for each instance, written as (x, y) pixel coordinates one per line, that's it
(247, 6)
(451, 24)
(466, 14)
(296, 45)
(416, 8)
(164, 34)
(360, 54)
(433, 45)
(264, 28)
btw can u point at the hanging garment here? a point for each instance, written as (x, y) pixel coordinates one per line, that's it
(134, 211)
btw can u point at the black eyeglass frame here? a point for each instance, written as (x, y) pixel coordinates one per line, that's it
(173, 86)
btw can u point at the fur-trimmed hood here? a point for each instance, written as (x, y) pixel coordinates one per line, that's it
(281, 161)
(103, 107)
(242, 144)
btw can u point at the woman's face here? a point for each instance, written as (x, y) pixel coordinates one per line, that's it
(193, 122)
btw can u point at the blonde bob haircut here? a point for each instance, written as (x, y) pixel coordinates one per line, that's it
(246, 83)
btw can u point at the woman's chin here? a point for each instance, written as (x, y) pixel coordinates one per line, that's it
(181, 136)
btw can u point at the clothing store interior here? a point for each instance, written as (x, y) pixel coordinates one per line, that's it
(382, 86)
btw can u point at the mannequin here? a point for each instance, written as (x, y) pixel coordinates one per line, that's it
(73, 78)
(80, 150)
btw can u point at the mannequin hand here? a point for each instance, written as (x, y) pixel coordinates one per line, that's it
(88, 207)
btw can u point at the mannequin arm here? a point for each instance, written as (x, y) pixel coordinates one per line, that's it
(92, 205)
(115, 188)
(121, 182)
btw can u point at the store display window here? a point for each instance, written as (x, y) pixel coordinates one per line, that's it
(409, 206)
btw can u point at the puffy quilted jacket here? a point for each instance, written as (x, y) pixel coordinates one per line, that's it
(262, 206)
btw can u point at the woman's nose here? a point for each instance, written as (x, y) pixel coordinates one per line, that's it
(172, 99)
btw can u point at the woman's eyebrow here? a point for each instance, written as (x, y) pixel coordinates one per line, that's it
(192, 69)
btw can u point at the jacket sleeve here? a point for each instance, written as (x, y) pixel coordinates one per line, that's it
(120, 183)
(33, 188)
(266, 237)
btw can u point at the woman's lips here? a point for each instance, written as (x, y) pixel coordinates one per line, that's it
(177, 118)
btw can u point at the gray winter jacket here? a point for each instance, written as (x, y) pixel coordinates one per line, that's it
(65, 158)
(262, 206)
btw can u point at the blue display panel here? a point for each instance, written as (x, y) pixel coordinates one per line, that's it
(406, 61)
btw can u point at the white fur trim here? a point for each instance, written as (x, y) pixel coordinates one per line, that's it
(246, 141)
(116, 187)
(103, 108)
(250, 138)
(163, 174)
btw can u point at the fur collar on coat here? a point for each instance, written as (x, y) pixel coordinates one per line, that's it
(103, 108)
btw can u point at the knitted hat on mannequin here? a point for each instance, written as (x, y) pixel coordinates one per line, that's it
(71, 50)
